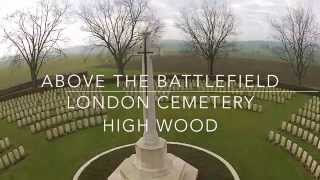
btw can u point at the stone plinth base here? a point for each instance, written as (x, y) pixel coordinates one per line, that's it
(154, 163)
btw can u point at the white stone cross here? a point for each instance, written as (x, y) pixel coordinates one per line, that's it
(150, 135)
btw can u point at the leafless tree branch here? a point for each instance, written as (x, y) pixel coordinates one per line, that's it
(36, 34)
(115, 24)
(208, 29)
(298, 33)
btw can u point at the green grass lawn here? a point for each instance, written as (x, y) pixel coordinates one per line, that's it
(240, 139)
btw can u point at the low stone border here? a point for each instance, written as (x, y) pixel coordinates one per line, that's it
(226, 163)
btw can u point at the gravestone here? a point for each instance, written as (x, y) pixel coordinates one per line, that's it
(61, 130)
(315, 141)
(255, 107)
(284, 125)
(67, 128)
(92, 122)
(310, 138)
(55, 132)
(54, 120)
(299, 153)
(32, 128)
(305, 135)
(303, 121)
(79, 124)
(49, 134)
(11, 158)
(5, 160)
(289, 126)
(1, 164)
(304, 157)
(313, 125)
(313, 166)
(308, 124)
(19, 123)
(271, 136)
(2, 144)
(99, 120)
(43, 125)
(283, 141)
(294, 148)
(298, 119)
(16, 154)
(317, 130)
(309, 161)
(49, 122)
(300, 132)
(59, 119)
(288, 146)
(317, 172)
(85, 123)
(73, 126)
(293, 118)
(7, 142)
(21, 151)
(294, 130)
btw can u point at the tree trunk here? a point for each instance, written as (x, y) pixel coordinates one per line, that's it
(210, 64)
(121, 70)
(33, 77)
(300, 80)
(120, 67)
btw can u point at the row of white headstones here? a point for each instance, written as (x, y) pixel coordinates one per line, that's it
(51, 122)
(306, 129)
(293, 148)
(74, 126)
(47, 110)
(270, 94)
(9, 157)
(46, 97)
(49, 100)
(40, 112)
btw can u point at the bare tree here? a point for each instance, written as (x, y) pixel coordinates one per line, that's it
(208, 28)
(298, 33)
(36, 34)
(116, 25)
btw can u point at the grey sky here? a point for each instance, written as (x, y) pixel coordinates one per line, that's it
(251, 16)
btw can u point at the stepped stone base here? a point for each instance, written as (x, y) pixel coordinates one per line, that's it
(154, 163)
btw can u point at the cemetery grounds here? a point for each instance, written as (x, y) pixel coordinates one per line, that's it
(241, 139)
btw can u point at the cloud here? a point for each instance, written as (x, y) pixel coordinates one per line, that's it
(252, 16)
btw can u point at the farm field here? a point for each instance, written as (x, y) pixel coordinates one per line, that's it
(165, 63)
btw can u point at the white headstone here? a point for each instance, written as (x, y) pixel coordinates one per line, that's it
(11, 158)
(21, 151)
(16, 154)
(299, 152)
(1, 164)
(5, 160)
(317, 172)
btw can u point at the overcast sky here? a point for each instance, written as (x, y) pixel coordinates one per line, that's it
(251, 16)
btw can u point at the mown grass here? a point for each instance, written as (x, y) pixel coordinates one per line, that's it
(240, 137)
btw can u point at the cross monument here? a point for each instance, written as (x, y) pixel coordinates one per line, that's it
(151, 161)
